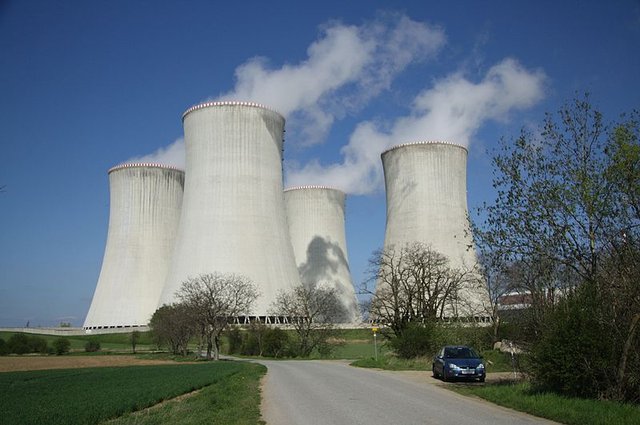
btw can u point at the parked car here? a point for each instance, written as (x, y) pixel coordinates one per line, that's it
(458, 361)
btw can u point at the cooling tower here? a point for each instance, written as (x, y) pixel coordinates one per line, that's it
(426, 187)
(233, 217)
(315, 215)
(143, 220)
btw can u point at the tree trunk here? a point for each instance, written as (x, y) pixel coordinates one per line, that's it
(209, 347)
(216, 353)
(625, 352)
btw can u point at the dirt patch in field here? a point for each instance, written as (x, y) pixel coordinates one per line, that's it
(19, 363)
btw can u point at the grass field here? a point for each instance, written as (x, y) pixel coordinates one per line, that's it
(572, 411)
(93, 395)
(117, 342)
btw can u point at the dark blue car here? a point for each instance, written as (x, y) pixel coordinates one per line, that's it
(458, 361)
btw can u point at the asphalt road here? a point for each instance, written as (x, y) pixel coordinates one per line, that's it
(328, 392)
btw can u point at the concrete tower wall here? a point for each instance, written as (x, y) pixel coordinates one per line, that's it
(144, 212)
(317, 228)
(233, 217)
(426, 187)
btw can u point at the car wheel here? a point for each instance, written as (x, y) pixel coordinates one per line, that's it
(433, 371)
(482, 379)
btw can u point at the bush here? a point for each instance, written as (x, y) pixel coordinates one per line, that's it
(274, 342)
(4, 350)
(61, 346)
(418, 339)
(92, 346)
(234, 336)
(18, 344)
(38, 345)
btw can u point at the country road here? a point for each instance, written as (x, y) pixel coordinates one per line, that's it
(332, 392)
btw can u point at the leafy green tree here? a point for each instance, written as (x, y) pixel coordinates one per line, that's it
(173, 326)
(61, 346)
(19, 344)
(565, 226)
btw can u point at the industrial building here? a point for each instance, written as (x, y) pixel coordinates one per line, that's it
(233, 216)
(426, 191)
(144, 212)
(228, 213)
(316, 218)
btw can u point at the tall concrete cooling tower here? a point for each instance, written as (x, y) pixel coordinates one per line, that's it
(233, 217)
(143, 221)
(426, 187)
(316, 225)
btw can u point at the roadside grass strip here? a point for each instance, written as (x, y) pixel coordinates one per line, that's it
(232, 401)
(93, 395)
(572, 411)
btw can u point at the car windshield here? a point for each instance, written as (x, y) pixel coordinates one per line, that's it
(460, 353)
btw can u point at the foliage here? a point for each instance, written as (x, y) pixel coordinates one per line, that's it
(565, 227)
(134, 337)
(275, 343)
(313, 312)
(213, 300)
(414, 284)
(235, 339)
(61, 346)
(416, 340)
(20, 343)
(92, 346)
(68, 396)
(3, 347)
(572, 411)
(173, 326)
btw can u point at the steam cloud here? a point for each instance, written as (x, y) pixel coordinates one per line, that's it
(452, 110)
(171, 155)
(345, 68)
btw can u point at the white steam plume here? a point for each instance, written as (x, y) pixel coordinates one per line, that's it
(344, 68)
(173, 155)
(452, 110)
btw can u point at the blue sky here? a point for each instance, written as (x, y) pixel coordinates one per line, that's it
(86, 85)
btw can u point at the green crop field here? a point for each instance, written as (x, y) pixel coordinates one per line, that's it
(93, 395)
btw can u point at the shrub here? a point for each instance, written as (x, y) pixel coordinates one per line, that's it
(4, 350)
(575, 353)
(274, 342)
(235, 341)
(92, 346)
(418, 339)
(61, 346)
(38, 345)
(18, 344)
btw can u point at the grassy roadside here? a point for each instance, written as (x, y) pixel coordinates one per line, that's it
(229, 393)
(234, 400)
(572, 411)
(495, 361)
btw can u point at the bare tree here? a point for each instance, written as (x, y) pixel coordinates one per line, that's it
(413, 284)
(213, 300)
(313, 311)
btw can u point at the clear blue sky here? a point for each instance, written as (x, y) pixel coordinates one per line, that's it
(85, 85)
